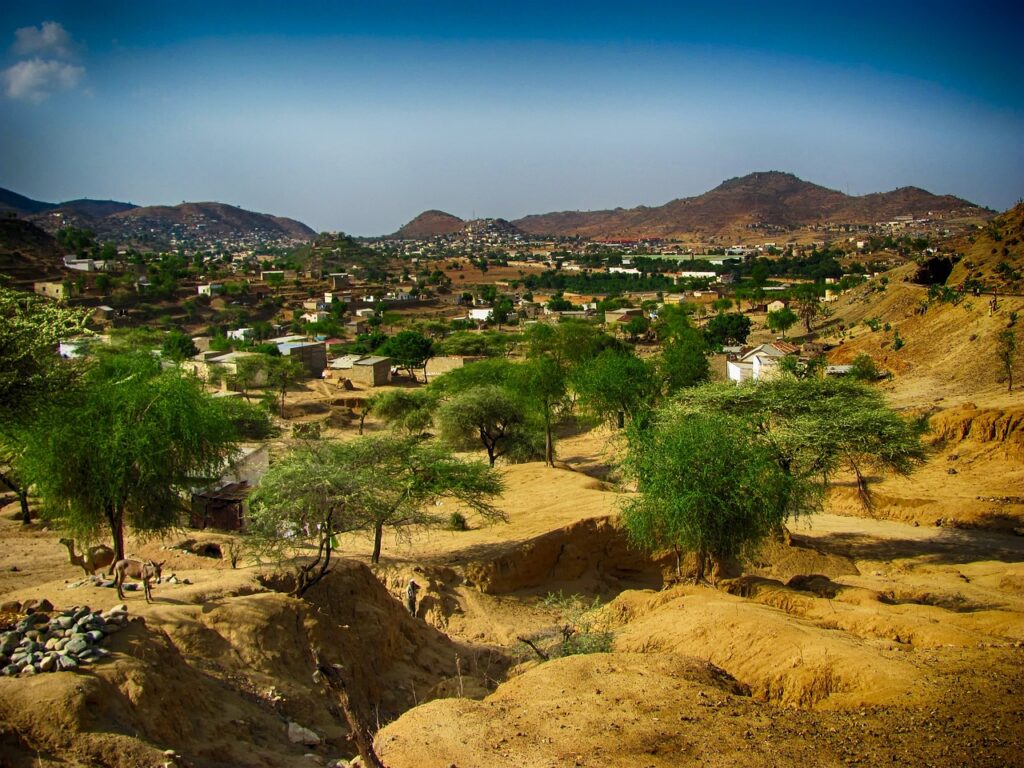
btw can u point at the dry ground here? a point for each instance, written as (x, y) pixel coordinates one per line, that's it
(893, 638)
(904, 649)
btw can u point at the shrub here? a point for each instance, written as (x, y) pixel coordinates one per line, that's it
(457, 522)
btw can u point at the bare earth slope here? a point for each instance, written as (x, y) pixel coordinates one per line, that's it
(430, 224)
(766, 198)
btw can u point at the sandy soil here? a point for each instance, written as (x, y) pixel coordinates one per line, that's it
(889, 638)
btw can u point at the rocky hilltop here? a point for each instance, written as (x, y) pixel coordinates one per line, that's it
(157, 226)
(430, 224)
(770, 200)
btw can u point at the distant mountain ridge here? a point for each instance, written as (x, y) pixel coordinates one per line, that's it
(157, 225)
(769, 199)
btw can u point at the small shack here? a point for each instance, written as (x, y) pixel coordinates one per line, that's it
(313, 355)
(369, 371)
(222, 508)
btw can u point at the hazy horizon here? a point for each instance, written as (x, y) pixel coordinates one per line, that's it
(359, 119)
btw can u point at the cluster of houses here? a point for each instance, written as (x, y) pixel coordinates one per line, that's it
(763, 362)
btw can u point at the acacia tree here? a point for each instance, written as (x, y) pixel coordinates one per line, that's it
(405, 478)
(31, 327)
(407, 410)
(1006, 353)
(782, 320)
(120, 449)
(815, 426)
(309, 496)
(542, 382)
(705, 486)
(808, 306)
(284, 372)
(250, 371)
(409, 350)
(489, 414)
(615, 386)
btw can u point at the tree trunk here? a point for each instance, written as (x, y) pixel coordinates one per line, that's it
(862, 488)
(115, 517)
(549, 444)
(378, 534)
(26, 514)
(333, 677)
(620, 419)
(362, 419)
(702, 558)
(22, 494)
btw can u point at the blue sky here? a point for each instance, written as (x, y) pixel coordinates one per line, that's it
(359, 116)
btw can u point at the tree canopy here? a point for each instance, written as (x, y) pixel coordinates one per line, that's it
(705, 486)
(727, 328)
(121, 448)
(815, 427)
(409, 350)
(368, 485)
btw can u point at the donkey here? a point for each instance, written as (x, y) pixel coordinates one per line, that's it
(144, 572)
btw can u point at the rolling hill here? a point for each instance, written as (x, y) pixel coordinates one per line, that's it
(158, 225)
(28, 253)
(430, 224)
(770, 200)
(212, 219)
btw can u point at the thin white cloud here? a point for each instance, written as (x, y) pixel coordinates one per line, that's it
(36, 80)
(47, 54)
(49, 39)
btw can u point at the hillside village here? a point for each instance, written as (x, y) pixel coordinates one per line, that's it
(885, 628)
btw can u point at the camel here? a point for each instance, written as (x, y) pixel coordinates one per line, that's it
(92, 559)
(144, 572)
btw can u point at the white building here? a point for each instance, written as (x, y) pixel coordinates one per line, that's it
(760, 363)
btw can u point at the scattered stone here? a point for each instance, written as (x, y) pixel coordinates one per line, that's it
(314, 759)
(37, 606)
(299, 735)
(951, 471)
(65, 641)
(12, 606)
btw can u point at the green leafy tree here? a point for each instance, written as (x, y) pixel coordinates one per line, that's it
(637, 327)
(250, 371)
(782, 320)
(818, 426)
(31, 327)
(705, 486)
(409, 350)
(178, 346)
(306, 498)
(727, 328)
(615, 386)
(684, 360)
(1006, 353)
(543, 384)
(863, 368)
(808, 305)
(488, 414)
(121, 448)
(407, 410)
(407, 476)
(284, 372)
(31, 373)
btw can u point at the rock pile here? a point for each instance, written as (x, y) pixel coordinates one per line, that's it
(65, 640)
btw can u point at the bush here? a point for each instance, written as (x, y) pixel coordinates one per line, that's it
(457, 522)
(580, 628)
(864, 368)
